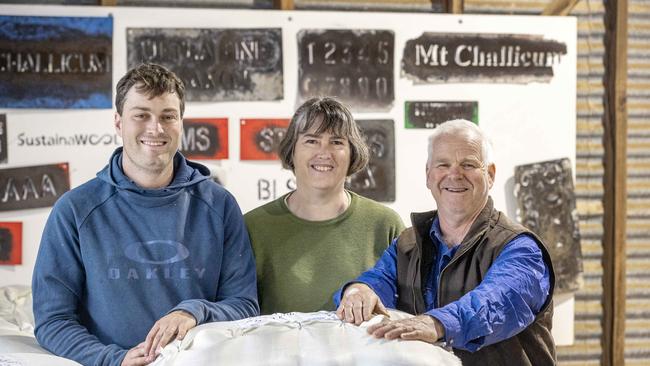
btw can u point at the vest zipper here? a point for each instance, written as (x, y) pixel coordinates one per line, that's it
(413, 291)
(454, 259)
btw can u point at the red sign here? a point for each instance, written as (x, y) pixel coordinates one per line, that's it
(205, 138)
(11, 243)
(260, 138)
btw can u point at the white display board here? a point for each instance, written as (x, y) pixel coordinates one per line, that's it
(527, 122)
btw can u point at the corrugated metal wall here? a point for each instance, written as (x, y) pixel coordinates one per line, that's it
(637, 324)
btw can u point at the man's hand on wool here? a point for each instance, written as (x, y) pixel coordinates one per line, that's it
(422, 327)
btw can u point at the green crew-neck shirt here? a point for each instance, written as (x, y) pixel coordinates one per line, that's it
(301, 263)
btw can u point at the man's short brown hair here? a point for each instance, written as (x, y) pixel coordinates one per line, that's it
(151, 80)
(334, 118)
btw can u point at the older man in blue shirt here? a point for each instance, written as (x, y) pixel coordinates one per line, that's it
(474, 278)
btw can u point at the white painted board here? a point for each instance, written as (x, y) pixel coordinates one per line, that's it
(527, 122)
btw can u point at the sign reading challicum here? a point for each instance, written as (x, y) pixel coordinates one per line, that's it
(33, 186)
(501, 58)
(353, 65)
(55, 62)
(214, 64)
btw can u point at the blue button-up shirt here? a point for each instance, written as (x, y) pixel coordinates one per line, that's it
(512, 292)
(445, 253)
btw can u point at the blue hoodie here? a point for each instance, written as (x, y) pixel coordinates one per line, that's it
(114, 258)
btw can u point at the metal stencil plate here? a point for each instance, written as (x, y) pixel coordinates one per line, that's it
(353, 65)
(215, 64)
(547, 206)
(377, 179)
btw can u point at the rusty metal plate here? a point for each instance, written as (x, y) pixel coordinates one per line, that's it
(547, 206)
(215, 64)
(33, 186)
(205, 138)
(377, 179)
(56, 62)
(494, 58)
(4, 155)
(422, 114)
(353, 65)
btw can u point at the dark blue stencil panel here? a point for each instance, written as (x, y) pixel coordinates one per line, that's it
(55, 62)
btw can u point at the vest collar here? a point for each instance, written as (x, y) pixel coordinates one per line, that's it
(422, 222)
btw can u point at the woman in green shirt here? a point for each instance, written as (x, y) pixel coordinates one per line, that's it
(310, 241)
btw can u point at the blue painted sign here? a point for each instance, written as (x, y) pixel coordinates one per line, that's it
(55, 62)
(3, 139)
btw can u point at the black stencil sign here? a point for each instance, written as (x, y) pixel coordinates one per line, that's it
(354, 65)
(200, 138)
(205, 138)
(215, 64)
(547, 206)
(33, 186)
(377, 179)
(3, 139)
(501, 58)
(431, 114)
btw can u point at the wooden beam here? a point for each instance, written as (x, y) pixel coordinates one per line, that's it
(615, 196)
(560, 7)
(454, 6)
(108, 2)
(283, 4)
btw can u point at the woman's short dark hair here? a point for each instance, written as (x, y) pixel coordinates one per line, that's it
(151, 80)
(334, 118)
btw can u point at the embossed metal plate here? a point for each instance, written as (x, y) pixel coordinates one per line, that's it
(547, 206)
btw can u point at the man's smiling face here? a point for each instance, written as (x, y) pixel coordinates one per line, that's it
(457, 175)
(150, 129)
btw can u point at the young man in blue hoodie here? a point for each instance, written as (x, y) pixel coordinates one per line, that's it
(148, 249)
